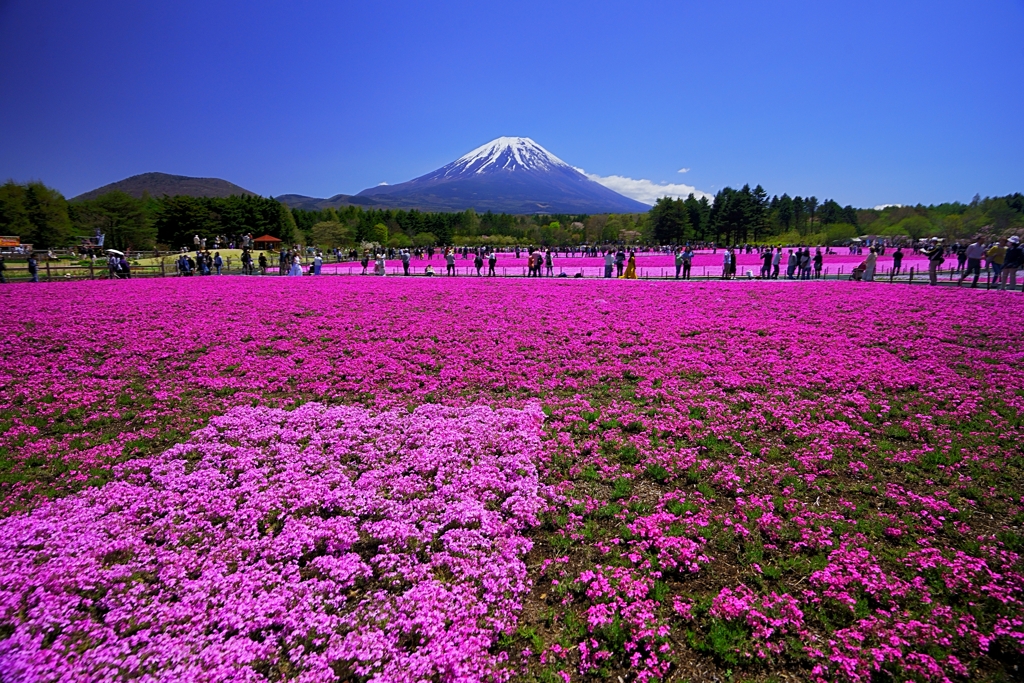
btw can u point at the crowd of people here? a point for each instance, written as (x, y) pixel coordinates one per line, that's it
(1002, 258)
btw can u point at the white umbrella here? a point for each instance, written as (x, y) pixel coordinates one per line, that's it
(115, 251)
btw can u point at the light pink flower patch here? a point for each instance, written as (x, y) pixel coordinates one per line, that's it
(316, 543)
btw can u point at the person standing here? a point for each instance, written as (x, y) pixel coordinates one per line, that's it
(405, 261)
(791, 264)
(124, 268)
(996, 256)
(318, 262)
(630, 273)
(609, 263)
(687, 262)
(819, 260)
(805, 264)
(492, 261)
(934, 255)
(1012, 262)
(776, 263)
(3, 267)
(870, 262)
(726, 264)
(218, 262)
(33, 268)
(549, 264)
(263, 263)
(620, 262)
(766, 264)
(897, 260)
(450, 261)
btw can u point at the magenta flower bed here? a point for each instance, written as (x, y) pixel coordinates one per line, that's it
(705, 263)
(298, 478)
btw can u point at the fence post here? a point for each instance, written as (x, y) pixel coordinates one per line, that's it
(162, 273)
(910, 281)
(48, 278)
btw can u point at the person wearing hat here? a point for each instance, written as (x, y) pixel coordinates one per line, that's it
(1012, 262)
(934, 254)
(996, 255)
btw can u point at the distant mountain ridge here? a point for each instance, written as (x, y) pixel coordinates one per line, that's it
(159, 184)
(507, 175)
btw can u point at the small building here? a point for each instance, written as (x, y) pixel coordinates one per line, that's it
(266, 243)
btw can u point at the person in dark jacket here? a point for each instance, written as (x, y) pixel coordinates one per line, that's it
(1012, 262)
(934, 254)
(33, 268)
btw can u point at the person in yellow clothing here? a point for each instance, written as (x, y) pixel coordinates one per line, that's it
(996, 256)
(630, 273)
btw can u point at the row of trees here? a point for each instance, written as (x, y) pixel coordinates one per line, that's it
(746, 215)
(39, 215)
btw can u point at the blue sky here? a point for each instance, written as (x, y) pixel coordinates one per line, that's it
(866, 102)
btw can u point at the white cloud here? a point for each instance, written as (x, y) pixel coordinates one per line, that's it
(683, 170)
(883, 207)
(646, 191)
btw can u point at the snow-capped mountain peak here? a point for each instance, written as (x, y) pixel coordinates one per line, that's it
(505, 154)
(510, 175)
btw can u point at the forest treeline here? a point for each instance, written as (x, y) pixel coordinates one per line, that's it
(41, 216)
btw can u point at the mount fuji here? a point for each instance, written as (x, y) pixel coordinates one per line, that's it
(509, 175)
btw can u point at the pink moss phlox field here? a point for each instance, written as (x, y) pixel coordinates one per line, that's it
(791, 481)
(310, 542)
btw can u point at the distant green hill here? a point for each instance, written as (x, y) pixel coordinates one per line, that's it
(159, 184)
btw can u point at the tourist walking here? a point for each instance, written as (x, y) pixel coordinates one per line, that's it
(791, 264)
(218, 262)
(620, 262)
(897, 260)
(776, 263)
(687, 262)
(609, 263)
(766, 265)
(975, 252)
(492, 261)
